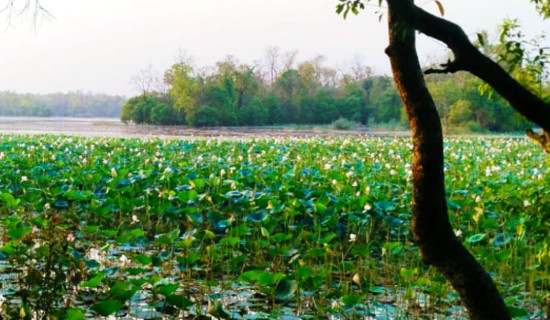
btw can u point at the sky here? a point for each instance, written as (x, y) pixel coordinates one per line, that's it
(98, 45)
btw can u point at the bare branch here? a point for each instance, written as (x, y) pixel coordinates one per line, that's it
(183, 57)
(272, 60)
(20, 9)
(289, 58)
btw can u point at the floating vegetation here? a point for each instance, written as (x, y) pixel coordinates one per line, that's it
(257, 228)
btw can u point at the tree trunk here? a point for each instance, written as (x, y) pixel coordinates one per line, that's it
(431, 227)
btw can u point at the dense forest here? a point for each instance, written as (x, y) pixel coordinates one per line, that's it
(72, 104)
(277, 90)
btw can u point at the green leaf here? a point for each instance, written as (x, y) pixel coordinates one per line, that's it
(285, 289)
(61, 204)
(18, 233)
(453, 205)
(407, 273)
(168, 289)
(119, 287)
(107, 307)
(351, 300)
(216, 309)
(476, 238)
(384, 205)
(281, 237)
(168, 238)
(233, 194)
(142, 259)
(179, 301)
(91, 264)
(257, 216)
(77, 254)
(124, 238)
(305, 272)
(230, 241)
(321, 208)
(76, 195)
(376, 290)
(93, 282)
(264, 232)
(198, 183)
(266, 279)
(9, 200)
(516, 312)
(186, 196)
(136, 233)
(503, 256)
(251, 275)
(91, 229)
(174, 234)
(135, 271)
(75, 314)
(501, 239)
(123, 290)
(347, 266)
(163, 240)
(109, 232)
(154, 279)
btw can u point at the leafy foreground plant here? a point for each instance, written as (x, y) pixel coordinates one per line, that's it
(153, 228)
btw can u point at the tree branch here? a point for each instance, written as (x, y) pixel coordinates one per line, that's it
(432, 230)
(17, 9)
(469, 58)
(449, 67)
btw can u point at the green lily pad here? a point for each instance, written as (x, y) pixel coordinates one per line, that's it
(107, 307)
(285, 289)
(257, 216)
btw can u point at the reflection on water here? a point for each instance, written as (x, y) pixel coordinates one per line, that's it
(113, 127)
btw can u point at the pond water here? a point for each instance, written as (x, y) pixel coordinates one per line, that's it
(113, 127)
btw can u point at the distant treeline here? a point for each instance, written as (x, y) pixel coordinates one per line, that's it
(72, 104)
(233, 94)
(276, 91)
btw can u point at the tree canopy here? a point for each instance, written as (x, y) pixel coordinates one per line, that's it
(71, 104)
(308, 92)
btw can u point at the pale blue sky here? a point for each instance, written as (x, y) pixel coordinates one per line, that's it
(98, 45)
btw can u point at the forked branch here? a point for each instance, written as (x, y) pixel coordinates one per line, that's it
(469, 58)
(14, 9)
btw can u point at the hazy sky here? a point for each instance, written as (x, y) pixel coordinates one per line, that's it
(98, 45)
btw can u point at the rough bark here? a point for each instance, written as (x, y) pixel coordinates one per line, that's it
(431, 227)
